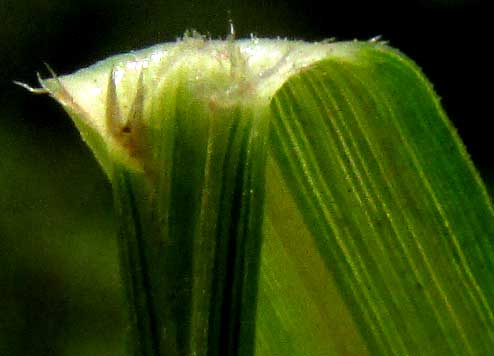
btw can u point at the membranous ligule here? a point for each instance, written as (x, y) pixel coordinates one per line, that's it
(114, 101)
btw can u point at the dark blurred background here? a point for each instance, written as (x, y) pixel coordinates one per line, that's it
(60, 292)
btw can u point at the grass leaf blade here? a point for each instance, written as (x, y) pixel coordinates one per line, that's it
(393, 203)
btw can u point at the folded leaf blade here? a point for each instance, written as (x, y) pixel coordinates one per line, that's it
(395, 207)
(377, 228)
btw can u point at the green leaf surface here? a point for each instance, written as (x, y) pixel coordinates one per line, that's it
(378, 235)
(337, 158)
(190, 230)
